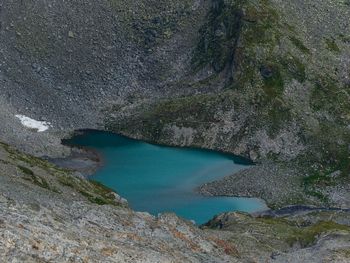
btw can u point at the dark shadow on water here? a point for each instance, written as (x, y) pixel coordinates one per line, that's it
(114, 139)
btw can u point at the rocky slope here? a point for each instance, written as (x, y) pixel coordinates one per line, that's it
(68, 63)
(264, 79)
(269, 81)
(52, 215)
(304, 237)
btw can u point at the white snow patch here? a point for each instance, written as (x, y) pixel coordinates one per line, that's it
(39, 126)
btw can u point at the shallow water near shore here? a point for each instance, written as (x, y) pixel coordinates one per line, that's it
(160, 179)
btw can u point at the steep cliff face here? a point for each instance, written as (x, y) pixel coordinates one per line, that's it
(267, 81)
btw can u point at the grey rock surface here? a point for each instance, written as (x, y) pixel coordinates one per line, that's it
(267, 80)
(49, 215)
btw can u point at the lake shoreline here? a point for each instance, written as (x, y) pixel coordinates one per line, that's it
(198, 167)
(84, 160)
(87, 161)
(98, 161)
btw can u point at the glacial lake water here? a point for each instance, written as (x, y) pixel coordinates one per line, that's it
(160, 179)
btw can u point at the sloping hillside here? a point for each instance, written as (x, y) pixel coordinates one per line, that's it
(265, 79)
(52, 215)
(269, 80)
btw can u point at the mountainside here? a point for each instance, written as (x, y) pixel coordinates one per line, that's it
(49, 215)
(268, 80)
(69, 62)
(273, 85)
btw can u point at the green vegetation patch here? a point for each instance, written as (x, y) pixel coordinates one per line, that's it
(313, 183)
(40, 181)
(32, 161)
(333, 97)
(192, 109)
(331, 45)
(329, 150)
(95, 192)
(36, 179)
(299, 44)
(308, 235)
(273, 80)
(331, 142)
(26, 170)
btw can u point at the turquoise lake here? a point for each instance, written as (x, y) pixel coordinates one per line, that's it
(162, 179)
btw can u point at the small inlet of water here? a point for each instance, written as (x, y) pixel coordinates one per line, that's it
(160, 179)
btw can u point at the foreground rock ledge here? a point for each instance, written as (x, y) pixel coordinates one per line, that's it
(49, 215)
